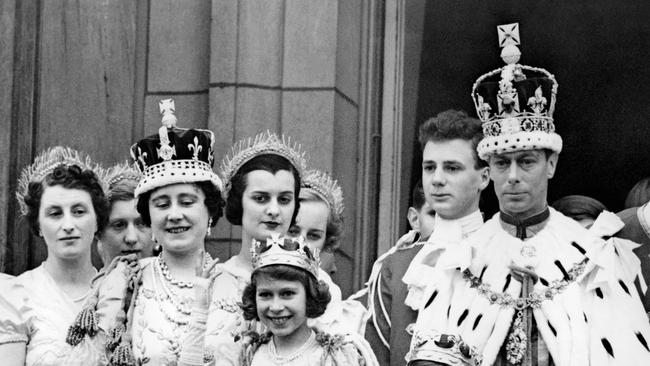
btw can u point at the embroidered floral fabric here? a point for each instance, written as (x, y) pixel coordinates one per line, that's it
(33, 310)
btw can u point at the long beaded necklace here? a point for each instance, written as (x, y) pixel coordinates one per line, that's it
(168, 295)
(164, 269)
(164, 298)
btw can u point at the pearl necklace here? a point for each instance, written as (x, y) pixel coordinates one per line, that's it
(164, 269)
(180, 305)
(300, 352)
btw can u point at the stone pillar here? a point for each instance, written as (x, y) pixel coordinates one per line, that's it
(293, 67)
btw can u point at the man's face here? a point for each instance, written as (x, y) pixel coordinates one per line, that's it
(521, 180)
(452, 185)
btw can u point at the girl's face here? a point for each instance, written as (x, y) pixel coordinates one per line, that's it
(282, 307)
(67, 221)
(311, 223)
(179, 217)
(126, 233)
(268, 203)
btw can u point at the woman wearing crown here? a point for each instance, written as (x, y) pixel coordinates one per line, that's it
(142, 307)
(262, 184)
(262, 188)
(63, 202)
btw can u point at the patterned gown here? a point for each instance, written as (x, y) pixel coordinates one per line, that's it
(35, 311)
(226, 322)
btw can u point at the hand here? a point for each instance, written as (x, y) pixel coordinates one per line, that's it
(205, 276)
(519, 273)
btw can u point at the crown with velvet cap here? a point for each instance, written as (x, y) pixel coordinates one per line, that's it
(284, 250)
(174, 155)
(515, 103)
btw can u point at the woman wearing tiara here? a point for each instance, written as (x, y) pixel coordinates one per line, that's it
(320, 224)
(143, 306)
(125, 232)
(262, 184)
(262, 188)
(62, 200)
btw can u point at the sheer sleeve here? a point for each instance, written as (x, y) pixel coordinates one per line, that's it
(15, 312)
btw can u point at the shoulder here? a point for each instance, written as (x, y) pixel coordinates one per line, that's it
(634, 229)
(346, 349)
(16, 310)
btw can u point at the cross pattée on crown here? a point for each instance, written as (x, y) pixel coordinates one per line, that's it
(167, 109)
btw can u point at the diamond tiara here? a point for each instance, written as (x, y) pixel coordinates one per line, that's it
(264, 143)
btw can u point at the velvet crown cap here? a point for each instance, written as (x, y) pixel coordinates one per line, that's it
(174, 155)
(515, 103)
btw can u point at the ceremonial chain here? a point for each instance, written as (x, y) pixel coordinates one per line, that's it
(517, 340)
(534, 299)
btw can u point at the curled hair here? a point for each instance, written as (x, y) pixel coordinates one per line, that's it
(69, 177)
(269, 162)
(123, 190)
(334, 228)
(213, 202)
(317, 292)
(451, 125)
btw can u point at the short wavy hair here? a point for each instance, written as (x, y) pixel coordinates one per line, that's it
(213, 202)
(70, 177)
(271, 163)
(450, 125)
(317, 292)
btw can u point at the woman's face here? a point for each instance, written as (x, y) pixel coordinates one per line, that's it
(311, 223)
(67, 221)
(179, 217)
(268, 203)
(281, 306)
(125, 233)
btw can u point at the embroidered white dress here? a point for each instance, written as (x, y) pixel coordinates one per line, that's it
(319, 349)
(161, 318)
(35, 311)
(226, 321)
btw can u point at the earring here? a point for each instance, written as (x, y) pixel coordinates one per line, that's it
(209, 232)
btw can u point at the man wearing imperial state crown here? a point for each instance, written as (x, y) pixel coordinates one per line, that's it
(531, 286)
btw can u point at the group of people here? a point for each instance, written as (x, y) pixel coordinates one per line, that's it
(269, 304)
(529, 286)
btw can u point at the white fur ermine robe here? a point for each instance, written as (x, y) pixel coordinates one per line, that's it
(598, 319)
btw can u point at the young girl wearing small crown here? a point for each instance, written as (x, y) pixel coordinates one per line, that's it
(283, 294)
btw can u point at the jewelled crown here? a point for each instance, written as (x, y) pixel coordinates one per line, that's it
(174, 155)
(45, 164)
(109, 177)
(284, 250)
(327, 188)
(264, 143)
(515, 103)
